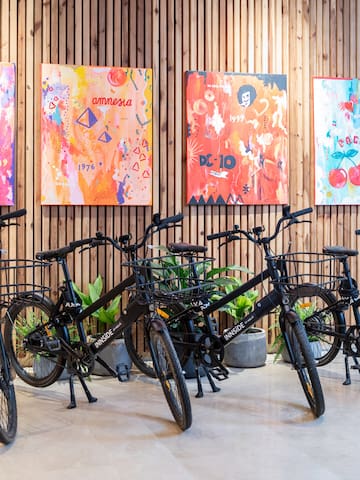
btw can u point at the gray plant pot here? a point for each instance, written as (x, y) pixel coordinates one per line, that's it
(42, 367)
(315, 347)
(247, 350)
(116, 356)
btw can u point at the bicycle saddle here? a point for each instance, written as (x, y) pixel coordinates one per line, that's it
(338, 251)
(186, 248)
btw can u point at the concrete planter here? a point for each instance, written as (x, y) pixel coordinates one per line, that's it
(315, 347)
(116, 356)
(42, 367)
(247, 350)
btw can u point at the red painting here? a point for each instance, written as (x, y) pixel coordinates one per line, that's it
(237, 138)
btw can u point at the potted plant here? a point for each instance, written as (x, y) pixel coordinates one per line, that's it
(219, 285)
(41, 364)
(303, 310)
(115, 354)
(247, 350)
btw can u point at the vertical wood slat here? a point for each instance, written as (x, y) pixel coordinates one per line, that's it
(171, 36)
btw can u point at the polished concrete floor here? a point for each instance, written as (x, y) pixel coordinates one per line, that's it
(257, 427)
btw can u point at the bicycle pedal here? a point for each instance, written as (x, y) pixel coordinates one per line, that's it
(220, 373)
(355, 367)
(123, 372)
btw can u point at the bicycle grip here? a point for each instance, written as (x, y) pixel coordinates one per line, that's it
(214, 236)
(174, 219)
(17, 213)
(299, 213)
(80, 243)
(357, 232)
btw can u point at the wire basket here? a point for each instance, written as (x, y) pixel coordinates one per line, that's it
(300, 268)
(20, 277)
(170, 278)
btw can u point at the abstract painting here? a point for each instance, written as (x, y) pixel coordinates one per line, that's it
(7, 137)
(336, 113)
(237, 138)
(96, 135)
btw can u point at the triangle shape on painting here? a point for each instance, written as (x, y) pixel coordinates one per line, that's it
(87, 118)
(220, 201)
(105, 137)
(193, 201)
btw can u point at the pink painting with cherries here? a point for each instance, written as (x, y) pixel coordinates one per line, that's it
(336, 116)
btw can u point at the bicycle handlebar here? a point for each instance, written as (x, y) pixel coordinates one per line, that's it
(120, 243)
(156, 225)
(10, 215)
(254, 234)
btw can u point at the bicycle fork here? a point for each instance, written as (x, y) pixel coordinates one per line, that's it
(291, 317)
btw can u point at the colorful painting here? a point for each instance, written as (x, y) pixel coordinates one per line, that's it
(96, 135)
(7, 128)
(237, 138)
(336, 141)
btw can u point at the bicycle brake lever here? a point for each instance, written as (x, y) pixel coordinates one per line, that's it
(229, 239)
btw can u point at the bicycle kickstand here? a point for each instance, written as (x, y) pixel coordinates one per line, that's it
(90, 398)
(200, 392)
(353, 367)
(211, 381)
(347, 380)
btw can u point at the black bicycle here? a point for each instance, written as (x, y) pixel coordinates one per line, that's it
(10, 285)
(208, 348)
(51, 333)
(323, 314)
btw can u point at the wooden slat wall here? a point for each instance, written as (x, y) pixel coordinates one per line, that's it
(300, 38)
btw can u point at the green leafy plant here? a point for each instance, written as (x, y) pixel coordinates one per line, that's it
(106, 315)
(239, 306)
(303, 310)
(217, 284)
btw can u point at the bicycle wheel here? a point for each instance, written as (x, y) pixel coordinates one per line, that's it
(137, 344)
(304, 363)
(323, 324)
(170, 375)
(8, 408)
(32, 341)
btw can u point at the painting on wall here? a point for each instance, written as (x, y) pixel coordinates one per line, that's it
(237, 138)
(336, 114)
(96, 135)
(7, 137)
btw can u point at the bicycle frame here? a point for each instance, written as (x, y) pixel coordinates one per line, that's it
(262, 307)
(68, 299)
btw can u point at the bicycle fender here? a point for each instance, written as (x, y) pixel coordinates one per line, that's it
(158, 323)
(292, 316)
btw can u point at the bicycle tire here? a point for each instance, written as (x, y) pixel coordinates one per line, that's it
(37, 367)
(312, 304)
(170, 375)
(137, 344)
(304, 363)
(8, 406)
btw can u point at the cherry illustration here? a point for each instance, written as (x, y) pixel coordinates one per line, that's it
(337, 177)
(354, 175)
